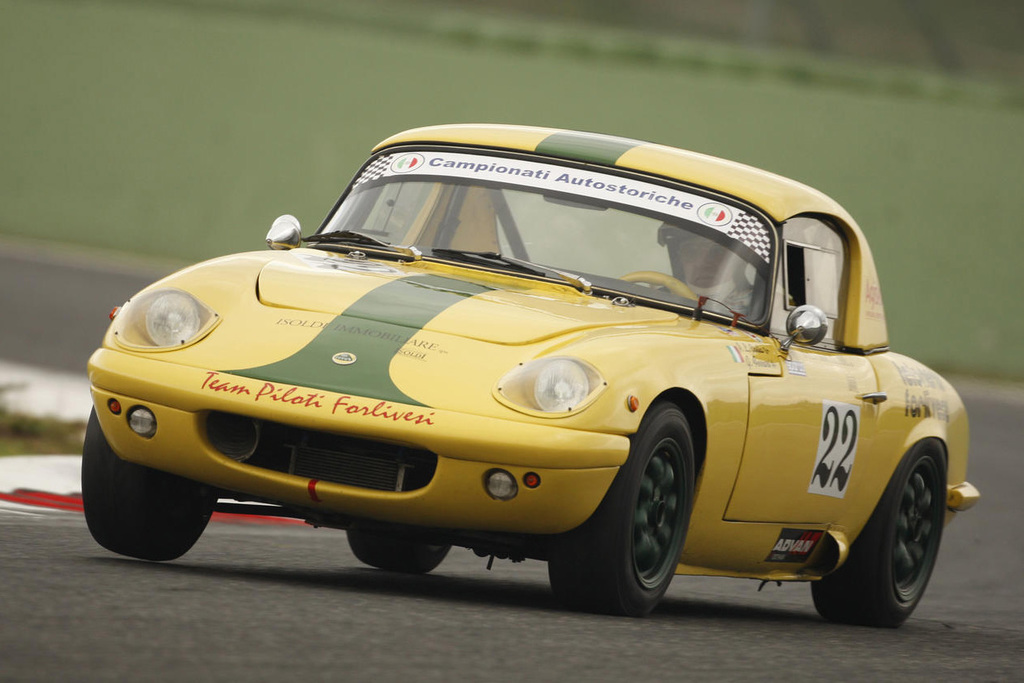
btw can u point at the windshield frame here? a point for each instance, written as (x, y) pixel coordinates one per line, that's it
(602, 285)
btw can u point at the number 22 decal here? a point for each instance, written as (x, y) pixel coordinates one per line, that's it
(837, 448)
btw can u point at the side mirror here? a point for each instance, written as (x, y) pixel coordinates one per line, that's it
(806, 324)
(285, 233)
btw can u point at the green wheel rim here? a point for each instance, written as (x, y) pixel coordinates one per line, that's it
(659, 514)
(918, 525)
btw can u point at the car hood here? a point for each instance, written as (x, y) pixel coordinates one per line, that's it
(448, 300)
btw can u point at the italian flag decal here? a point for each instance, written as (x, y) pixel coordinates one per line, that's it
(737, 355)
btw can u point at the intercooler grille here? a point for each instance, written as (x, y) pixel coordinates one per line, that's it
(332, 457)
(354, 469)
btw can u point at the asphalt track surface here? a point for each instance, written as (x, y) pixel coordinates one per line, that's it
(268, 602)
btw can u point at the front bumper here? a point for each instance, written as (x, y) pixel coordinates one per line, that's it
(575, 467)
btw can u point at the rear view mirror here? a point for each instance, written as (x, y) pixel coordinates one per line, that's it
(285, 233)
(806, 324)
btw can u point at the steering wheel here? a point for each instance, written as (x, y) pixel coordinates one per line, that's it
(653, 277)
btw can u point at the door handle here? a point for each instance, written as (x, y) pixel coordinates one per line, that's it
(875, 397)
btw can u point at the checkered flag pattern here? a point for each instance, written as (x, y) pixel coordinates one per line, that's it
(375, 170)
(752, 232)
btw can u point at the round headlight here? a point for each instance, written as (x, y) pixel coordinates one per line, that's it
(561, 385)
(553, 387)
(173, 318)
(163, 319)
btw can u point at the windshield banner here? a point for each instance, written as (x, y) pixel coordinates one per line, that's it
(603, 187)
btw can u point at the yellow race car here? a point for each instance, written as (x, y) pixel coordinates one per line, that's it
(624, 359)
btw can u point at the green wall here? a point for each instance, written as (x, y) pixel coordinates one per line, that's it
(183, 131)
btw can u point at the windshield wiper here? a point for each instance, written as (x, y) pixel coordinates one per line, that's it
(491, 257)
(698, 313)
(358, 238)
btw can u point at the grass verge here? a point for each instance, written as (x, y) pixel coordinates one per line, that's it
(30, 435)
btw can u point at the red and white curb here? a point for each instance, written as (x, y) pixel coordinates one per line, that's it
(39, 485)
(36, 485)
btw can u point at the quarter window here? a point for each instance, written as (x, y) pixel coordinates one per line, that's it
(813, 267)
(812, 277)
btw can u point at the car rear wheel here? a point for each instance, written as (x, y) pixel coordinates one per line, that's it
(135, 510)
(623, 558)
(395, 554)
(891, 561)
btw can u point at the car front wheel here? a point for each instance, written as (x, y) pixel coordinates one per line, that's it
(891, 561)
(135, 510)
(623, 558)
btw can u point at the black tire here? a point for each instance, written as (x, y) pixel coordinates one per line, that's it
(891, 561)
(135, 510)
(395, 554)
(622, 559)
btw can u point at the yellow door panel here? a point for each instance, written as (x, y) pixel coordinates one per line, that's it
(807, 437)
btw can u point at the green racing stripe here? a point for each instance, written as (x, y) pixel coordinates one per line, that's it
(373, 330)
(600, 149)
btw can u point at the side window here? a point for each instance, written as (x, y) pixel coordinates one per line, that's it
(812, 271)
(812, 277)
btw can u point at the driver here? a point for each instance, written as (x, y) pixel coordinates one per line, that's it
(713, 270)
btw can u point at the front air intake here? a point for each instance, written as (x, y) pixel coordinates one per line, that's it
(323, 456)
(233, 435)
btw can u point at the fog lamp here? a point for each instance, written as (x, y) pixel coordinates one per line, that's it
(500, 485)
(142, 421)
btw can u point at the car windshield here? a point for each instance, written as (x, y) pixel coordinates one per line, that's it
(624, 234)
